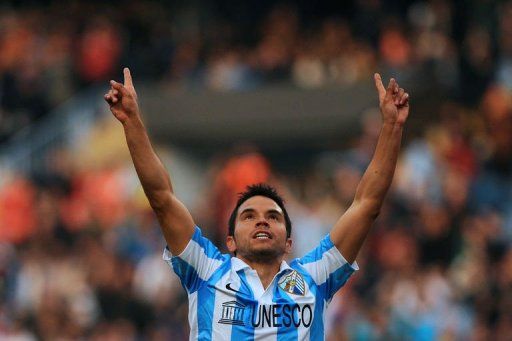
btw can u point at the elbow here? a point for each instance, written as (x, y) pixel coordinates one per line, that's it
(373, 210)
(159, 200)
(371, 207)
(374, 213)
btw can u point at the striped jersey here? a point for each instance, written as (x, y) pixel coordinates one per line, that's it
(228, 302)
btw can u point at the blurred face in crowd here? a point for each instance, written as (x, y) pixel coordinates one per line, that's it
(260, 231)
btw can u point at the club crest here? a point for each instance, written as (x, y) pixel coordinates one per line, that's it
(293, 283)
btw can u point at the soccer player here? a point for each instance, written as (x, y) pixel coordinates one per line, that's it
(254, 293)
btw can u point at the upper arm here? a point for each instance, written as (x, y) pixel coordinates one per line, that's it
(349, 232)
(175, 221)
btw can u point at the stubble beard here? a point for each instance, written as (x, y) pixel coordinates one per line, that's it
(265, 256)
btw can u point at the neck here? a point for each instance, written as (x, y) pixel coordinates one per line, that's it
(266, 271)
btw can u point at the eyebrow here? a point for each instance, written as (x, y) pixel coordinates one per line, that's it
(251, 210)
(247, 210)
(273, 210)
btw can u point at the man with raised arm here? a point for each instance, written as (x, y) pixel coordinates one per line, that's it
(253, 293)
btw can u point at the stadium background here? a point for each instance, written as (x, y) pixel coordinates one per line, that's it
(236, 92)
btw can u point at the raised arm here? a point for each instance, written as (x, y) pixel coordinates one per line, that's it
(175, 220)
(349, 232)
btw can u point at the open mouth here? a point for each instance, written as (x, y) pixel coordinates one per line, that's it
(262, 235)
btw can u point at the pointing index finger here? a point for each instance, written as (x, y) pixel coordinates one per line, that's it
(127, 78)
(380, 87)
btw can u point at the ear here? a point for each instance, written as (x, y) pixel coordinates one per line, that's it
(288, 246)
(231, 244)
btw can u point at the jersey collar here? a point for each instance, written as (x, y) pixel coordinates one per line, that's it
(238, 264)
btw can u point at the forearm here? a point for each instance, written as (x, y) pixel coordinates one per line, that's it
(174, 218)
(378, 176)
(351, 229)
(150, 170)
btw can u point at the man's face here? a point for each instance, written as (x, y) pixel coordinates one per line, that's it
(260, 231)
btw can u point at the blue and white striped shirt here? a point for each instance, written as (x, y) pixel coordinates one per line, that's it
(228, 302)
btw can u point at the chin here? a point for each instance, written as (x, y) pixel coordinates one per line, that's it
(264, 255)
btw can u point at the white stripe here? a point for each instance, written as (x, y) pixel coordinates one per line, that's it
(222, 331)
(302, 332)
(254, 282)
(192, 315)
(195, 255)
(267, 333)
(263, 297)
(320, 270)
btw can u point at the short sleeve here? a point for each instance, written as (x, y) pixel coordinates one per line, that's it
(328, 268)
(197, 262)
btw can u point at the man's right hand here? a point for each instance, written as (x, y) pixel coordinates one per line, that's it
(393, 101)
(122, 99)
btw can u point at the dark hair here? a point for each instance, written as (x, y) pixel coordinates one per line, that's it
(259, 190)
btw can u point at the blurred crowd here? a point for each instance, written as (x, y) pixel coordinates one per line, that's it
(50, 50)
(80, 249)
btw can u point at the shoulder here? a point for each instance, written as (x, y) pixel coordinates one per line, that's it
(325, 247)
(296, 264)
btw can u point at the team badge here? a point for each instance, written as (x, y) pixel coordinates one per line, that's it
(293, 283)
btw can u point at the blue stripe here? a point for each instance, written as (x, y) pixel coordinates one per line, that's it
(336, 280)
(190, 279)
(209, 248)
(239, 333)
(206, 303)
(316, 330)
(316, 254)
(281, 298)
(300, 285)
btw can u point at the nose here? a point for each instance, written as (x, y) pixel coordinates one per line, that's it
(262, 223)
